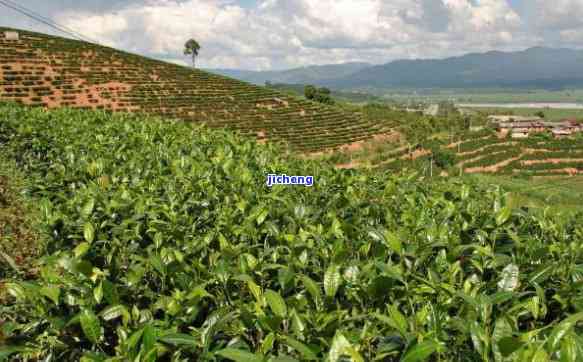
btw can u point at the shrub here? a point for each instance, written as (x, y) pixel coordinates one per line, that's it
(164, 243)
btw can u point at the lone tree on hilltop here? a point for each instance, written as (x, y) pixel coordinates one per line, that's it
(191, 48)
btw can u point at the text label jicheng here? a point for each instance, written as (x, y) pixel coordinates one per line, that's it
(273, 179)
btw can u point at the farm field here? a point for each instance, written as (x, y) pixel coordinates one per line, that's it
(486, 95)
(48, 71)
(160, 241)
(533, 156)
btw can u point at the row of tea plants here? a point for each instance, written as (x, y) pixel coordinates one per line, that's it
(162, 242)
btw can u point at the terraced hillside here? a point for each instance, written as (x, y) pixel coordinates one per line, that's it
(533, 156)
(49, 71)
(481, 152)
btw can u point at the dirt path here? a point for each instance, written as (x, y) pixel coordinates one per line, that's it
(392, 136)
(493, 168)
(351, 164)
(551, 160)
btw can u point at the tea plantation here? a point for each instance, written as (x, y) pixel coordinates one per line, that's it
(43, 70)
(160, 241)
(533, 156)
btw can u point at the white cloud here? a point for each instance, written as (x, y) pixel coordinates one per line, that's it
(288, 33)
(558, 14)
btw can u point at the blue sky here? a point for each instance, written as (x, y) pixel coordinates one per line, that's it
(277, 34)
(247, 3)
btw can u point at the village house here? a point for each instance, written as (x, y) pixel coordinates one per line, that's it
(519, 128)
(520, 132)
(11, 35)
(522, 127)
(561, 133)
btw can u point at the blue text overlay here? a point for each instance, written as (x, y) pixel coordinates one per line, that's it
(273, 179)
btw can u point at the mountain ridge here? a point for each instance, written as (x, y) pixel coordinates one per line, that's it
(299, 75)
(535, 67)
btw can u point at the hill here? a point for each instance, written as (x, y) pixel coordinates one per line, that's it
(161, 242)
(532, 68)
(49, 71)
(304, 75)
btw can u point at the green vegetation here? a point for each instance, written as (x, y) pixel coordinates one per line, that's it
(350, 97)
(561, 195)
(162, 242)
(320, 95)
(18, 240)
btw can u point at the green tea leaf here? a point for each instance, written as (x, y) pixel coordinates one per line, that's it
(503, 215)
(509, 345)
(305, 351)
(52, 293)
(332, 280)
(149, 338)
(98, 292)
(88, 208)
(276, 303)
(81, 249)
(89, 232)
(267, 343)
(420, 352)
(341, 347)
(239, 355)
(180, 339)
(562, 328)
(313, 288)
(115, 311)
(262, 216)
(90, 326)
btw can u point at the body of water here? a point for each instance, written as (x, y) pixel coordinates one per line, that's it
(523, 105)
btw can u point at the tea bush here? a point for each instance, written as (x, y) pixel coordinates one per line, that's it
(163, 243)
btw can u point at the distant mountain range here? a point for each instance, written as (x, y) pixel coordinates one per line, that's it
(532, 68)
(305, 75)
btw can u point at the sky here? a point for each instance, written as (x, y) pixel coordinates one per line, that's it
(282, 34)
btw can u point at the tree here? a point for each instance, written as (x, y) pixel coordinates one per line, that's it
(310, 92)
(540, 114)
(192, 48)
(321, 95)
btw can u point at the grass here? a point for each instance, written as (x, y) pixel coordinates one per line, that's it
(561, 194)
